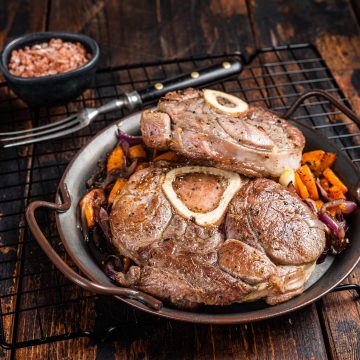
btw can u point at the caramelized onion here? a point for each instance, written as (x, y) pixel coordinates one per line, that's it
(130, 139)
(311, 204)
(335, 226)
(347, 207)
(323, 192)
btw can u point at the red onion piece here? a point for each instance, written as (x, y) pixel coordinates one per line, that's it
(345, 225)
(109, 271)
(112, 266)
(84, 226)
(323, 192)
(111, 177)
(312, 204)
(130, 169)
(124, 172)
(125, 146)
(335, 227)
(323, 256)
(350, 206)
(130, 139)
(103, 221)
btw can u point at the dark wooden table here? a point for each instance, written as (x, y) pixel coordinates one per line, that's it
(142, 30)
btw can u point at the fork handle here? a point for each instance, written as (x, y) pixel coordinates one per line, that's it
(128, 100)
(152, 93)
(202, 77)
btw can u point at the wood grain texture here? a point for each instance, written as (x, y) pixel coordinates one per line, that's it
(141, 30)
(144, 30)
(15, 20)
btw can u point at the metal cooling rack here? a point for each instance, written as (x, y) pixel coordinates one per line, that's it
(37, 304)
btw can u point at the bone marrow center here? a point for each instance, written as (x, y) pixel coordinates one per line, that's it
(201, 193)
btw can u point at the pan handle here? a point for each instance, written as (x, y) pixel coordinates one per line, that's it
(327, 96)
(336, 103)
(66, 270)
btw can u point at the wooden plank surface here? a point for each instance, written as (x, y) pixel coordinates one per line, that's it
(143, 30)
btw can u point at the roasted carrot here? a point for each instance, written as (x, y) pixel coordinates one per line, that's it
(327, 162)
(116, 159)
(319, 204)
(308, 180)
(318, 160)
(137, 152)
(119, 184)
(300, 187)
(325, 184)
(169, 156)
(336, 192)
(93, 198)
(334, 180)
(313, 159)
(332, 211)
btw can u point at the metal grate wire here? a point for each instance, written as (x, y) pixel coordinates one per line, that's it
(37, 304)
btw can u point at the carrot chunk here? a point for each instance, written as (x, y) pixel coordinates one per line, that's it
(336, 192)
(319, 204)
(300, 187)
(308, 180)
(313, 159)
(116, 159)
(93, 198)
(327, 161)
(119, 184)
(137, 151)
(334, 180)
(169, 156)
(318, 160)
(325, 184)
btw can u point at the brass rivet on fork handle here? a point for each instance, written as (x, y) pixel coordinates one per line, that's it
(158, 86)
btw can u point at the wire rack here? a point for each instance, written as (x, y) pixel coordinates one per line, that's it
(37, 304)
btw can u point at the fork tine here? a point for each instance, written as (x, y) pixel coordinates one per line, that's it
(39, 127)
(44, 132)
(49, 136)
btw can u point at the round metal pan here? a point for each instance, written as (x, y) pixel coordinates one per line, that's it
(72, 188)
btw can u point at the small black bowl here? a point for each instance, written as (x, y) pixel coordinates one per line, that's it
(54, 89)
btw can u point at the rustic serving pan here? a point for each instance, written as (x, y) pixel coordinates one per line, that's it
(72, 188)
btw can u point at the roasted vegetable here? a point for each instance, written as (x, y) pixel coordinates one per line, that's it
(287, 177)
(119, 184)
(318, 160)
(336, 192)
(116, 159)
(130, 139)
(334, 180)
(308, 180)
(319, 204)
(169, 156)
(327, 161)
(300, 187)
(325, 184)
(313, 159)
(94, 198)
(137, 152)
